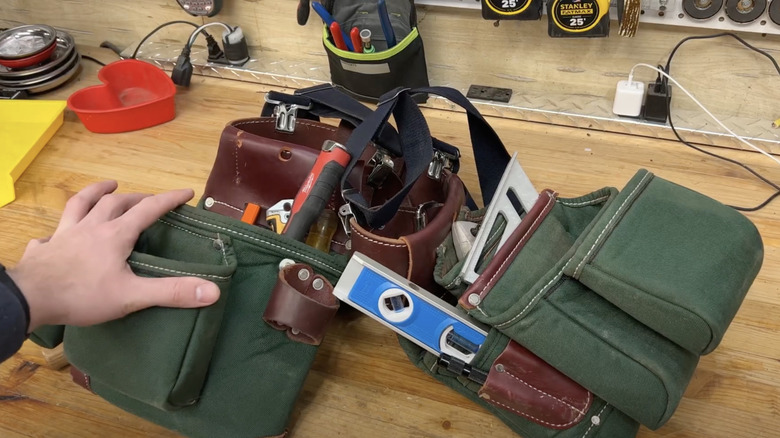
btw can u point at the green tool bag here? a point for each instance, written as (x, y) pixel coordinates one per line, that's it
(208, 372)
(366, 76)
(619, 291)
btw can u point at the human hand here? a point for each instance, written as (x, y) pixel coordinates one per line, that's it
(80, 276)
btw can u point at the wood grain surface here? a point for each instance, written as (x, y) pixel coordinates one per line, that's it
(361, 383)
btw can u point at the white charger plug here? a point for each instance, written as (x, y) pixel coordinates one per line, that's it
(628, 98)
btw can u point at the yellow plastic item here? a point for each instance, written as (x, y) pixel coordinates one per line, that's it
(25, 127)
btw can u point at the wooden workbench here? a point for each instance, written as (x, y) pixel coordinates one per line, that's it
(361, 384)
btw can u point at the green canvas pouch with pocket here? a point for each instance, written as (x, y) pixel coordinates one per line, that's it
(204, 372)
(620, 291)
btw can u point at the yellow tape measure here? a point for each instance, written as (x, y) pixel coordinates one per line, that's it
(577, 16)
(508, 7)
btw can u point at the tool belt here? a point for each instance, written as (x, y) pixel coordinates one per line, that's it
(597, 307)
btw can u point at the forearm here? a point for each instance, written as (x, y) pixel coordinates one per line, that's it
(14, 316)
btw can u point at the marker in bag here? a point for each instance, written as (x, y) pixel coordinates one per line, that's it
(365, 37)
(317, 189)
(338, 36)
(354, 35)
(328, 20)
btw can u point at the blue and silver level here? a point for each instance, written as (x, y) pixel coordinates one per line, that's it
(411, 311)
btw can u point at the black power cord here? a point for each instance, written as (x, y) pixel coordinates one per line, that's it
(667, 69)
(214, 50)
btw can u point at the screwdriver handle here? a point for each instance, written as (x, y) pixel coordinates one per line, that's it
(303, 12)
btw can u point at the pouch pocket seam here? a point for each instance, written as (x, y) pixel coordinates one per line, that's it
(679, 307)
(174, 271)
(512, 255)
(640, 187)
(262, 241)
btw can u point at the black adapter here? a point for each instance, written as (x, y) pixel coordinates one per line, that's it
(656, 108)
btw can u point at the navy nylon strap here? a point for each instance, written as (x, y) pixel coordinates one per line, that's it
(490, 155)
(417, 151)
(326, 101)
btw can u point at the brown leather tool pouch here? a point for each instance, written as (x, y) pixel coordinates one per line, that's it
(258, 164)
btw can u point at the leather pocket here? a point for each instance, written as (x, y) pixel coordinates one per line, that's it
(522, 383)
(160, 356)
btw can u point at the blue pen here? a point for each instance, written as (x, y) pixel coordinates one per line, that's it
(328, 19)
(384, 19)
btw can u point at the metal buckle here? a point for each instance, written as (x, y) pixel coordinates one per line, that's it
(440, 162)
(286, 114)
(421, 216)
(383, 167)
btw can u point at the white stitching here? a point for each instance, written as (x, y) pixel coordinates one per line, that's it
(574, 408)
(514, 250)
(557, 276)
(222, 247)
(183, 229)
(612, 219)
(579, 204)
(593, 424)
(226, 204)
(379, 242)
(146, 265)
(539, 420)
(271, 120)
(256, 239)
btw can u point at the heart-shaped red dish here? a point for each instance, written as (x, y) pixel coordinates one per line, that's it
(134, 95)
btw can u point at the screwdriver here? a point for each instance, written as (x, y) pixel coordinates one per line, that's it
(316, 189)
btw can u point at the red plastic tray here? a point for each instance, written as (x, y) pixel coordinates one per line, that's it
(134, 95)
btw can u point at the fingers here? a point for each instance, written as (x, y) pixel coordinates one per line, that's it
(79, 205)
(181, 292)
(111, 207)
(146, 212)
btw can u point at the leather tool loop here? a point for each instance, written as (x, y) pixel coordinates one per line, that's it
(302, 303)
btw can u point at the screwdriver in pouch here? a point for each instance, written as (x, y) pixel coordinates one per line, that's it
(317, 189)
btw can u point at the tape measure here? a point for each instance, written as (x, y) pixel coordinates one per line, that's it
(512, 9)
(578, 18)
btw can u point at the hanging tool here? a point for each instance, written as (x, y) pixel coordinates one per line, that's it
(303, 12)
(317, 188)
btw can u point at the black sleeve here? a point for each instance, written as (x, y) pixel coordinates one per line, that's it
(14, 316)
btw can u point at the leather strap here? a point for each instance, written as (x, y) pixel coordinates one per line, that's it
(81, 379)
(302, 303)
(522, 383)
(509, 250)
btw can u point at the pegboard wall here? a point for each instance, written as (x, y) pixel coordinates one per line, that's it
(756, 16)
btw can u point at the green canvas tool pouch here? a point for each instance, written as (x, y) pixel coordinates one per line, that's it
(519, 387)
(231, 369)
(366, 76)
(558, 286)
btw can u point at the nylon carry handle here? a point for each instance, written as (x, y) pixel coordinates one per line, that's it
(417, 148)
